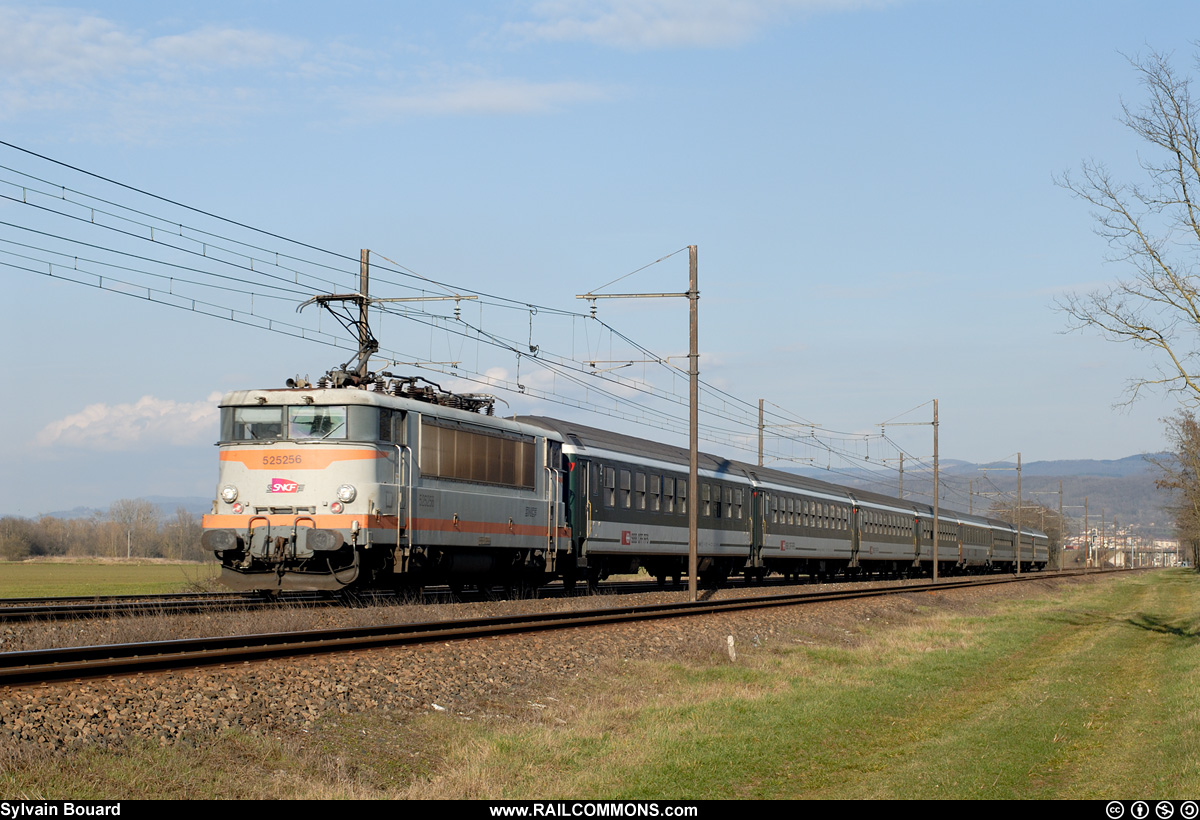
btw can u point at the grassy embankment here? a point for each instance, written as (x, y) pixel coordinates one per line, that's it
(62, 578)
(1083, 691)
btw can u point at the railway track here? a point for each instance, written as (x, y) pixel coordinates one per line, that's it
(44, 665)
(16, 610)
(48, 609)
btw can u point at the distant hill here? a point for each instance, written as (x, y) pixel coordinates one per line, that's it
(166, 505)
(1123, 487)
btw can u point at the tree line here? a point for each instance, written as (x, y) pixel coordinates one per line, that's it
(129, 528)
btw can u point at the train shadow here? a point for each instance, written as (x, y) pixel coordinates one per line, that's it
(1187, 629)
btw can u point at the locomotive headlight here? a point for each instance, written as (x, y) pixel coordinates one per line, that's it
(346, 493)
(229, 493)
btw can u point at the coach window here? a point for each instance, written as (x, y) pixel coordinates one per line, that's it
(705, 500)
(639, 491)
(737, 504)
(610, 487)
(668, 494)
(681, 493)
(623, 489)
(655, 493)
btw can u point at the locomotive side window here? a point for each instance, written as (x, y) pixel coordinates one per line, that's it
(468, 455)
(316, 422)
(391, 425)
(251, 423)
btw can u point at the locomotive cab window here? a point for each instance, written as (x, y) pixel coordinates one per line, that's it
(251, 423)
(316, 421)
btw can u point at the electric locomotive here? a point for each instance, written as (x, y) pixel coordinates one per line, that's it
(382, 484)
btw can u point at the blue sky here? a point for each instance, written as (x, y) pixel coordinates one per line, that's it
(870, 185)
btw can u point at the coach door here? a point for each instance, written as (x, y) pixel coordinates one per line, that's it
(555, 516)
(758, 516)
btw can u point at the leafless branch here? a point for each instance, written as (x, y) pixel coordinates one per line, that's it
(1154, 228)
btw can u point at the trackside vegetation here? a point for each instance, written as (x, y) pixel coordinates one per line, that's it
(49, 578)
(1060, 691)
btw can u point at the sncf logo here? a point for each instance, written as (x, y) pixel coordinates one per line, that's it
(282, 485)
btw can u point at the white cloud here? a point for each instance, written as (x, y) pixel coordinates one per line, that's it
(50, 46)
(649, 24)
(126, 84)
(481, 96)
(148, 422)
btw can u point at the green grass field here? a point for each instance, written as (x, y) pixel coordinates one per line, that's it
(1087, 692)
(1079, 691)
(34, 579)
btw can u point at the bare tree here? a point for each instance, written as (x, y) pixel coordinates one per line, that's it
(1181, 476)
(138, 523)
(1155, 228)
(183, 533)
